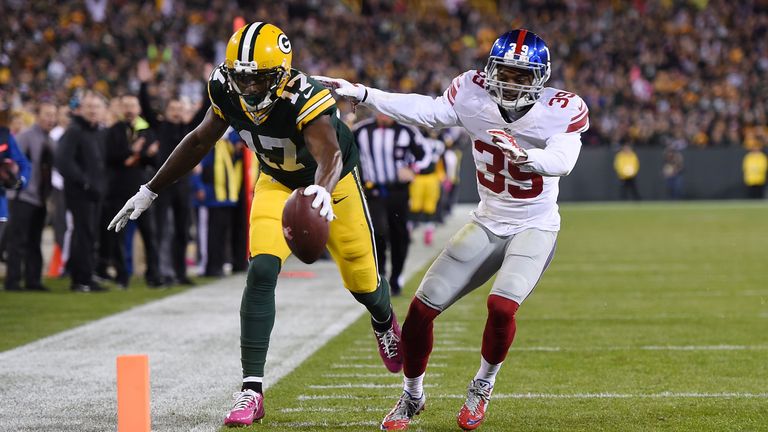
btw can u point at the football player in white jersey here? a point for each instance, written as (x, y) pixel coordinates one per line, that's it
(526, 136)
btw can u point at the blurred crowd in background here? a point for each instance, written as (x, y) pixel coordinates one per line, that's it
(666, 74)
(680, 73)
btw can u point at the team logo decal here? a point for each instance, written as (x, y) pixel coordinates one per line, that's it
(283, 43)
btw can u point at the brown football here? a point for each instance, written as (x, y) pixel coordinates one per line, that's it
(305, 231)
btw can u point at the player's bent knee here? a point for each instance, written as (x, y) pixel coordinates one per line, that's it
(262, 271)
(467, 243)
(420, 312)
(361, 281)
(513, 286)
(501, 310)
(435, 292)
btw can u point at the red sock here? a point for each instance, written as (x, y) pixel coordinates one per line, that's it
(417, 338)
(499, 328)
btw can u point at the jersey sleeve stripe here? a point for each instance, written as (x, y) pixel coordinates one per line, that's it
(217, 111)
(314, 99)
(583, 111)
(579, 117)
(577, 125)
(214, 107)
(583, 129)
(454, 90)
(314, 112)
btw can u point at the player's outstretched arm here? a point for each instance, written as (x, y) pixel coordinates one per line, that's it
(411, 108)
(184, 157)
(190, 151)
(322, 144)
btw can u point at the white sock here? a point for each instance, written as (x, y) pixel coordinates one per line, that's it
(487, 371)
(254, 379)
(414, 386)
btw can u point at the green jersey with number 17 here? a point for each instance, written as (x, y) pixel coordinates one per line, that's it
(278, 141)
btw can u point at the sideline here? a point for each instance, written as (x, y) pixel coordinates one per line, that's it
(67, 381)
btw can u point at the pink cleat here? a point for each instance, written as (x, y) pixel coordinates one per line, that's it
(389, 346)
(248, 408)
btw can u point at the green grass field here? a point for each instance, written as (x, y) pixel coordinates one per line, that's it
(651, 317)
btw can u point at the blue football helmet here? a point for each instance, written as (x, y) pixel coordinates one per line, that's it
(518, 49)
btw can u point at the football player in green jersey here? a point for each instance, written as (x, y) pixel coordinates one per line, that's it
(291, 122)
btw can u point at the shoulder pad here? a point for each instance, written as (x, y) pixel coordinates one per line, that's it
(217, 91)
(565, 111)
(463, 82)
(309, 97)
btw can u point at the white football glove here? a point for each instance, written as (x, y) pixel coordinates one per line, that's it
(322, 198)
(509, 145)
(342, 87)
(133, 208)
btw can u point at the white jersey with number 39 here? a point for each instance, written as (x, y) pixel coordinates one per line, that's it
(512, 197)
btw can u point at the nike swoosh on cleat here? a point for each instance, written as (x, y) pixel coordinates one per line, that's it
(336, 201)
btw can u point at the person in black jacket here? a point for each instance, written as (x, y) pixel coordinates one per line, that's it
(170, 130)
(80, 160)
(130, 150)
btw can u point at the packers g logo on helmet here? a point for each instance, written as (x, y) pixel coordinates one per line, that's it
(258, 65)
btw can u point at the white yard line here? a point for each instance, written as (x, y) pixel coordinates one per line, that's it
(360, 386)
(323, 425)
(607, 395)
(330, 410)
(439, 349)
(374, 366)
(371, 375)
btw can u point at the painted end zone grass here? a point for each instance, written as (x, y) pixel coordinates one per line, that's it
(651, 317)
(30, 315)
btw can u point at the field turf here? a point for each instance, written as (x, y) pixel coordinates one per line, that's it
(26, 316)
(651, 317)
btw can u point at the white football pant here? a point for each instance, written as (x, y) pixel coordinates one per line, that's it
(474, 254)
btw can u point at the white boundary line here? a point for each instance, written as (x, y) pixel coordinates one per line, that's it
(324, 425)
(616, 348)
(360, 386)
(607, 395)
(330, 410)
(371, 375)
(375, 366)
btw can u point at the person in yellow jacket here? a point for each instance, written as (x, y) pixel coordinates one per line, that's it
(627, 165)
(755, 167)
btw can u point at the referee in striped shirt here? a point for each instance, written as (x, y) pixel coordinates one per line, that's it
(390, 154)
